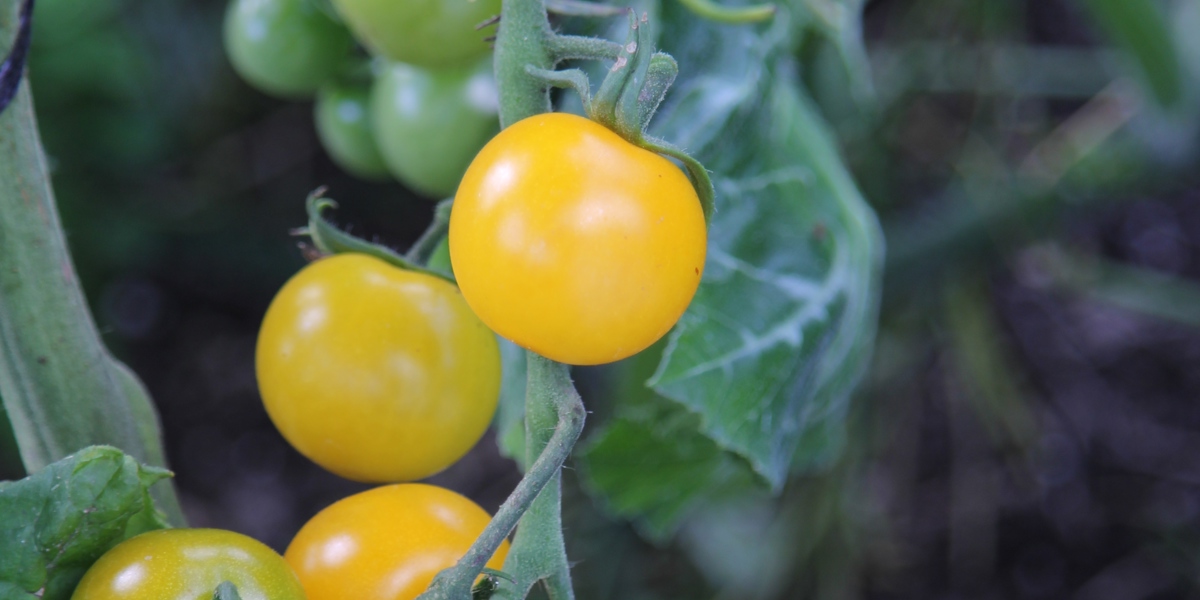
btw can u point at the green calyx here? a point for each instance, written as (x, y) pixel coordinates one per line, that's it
(630, 94)
(328, 239)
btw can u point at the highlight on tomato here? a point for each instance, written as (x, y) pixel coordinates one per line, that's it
(285, 47)
(387, 543)
(188, 563)
(376, 373)
(574, 243)
(430, 123)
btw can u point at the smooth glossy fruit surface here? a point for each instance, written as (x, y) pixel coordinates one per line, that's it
(431, 123)
(574, 243)
(428, 33)
(376, 373)
(285, 47)
(188, 564)
(343, 118)
(386, 543)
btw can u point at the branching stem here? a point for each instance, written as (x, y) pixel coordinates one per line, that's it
(554, 420)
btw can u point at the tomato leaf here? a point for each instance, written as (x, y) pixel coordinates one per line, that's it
(55, 523)
(761, 367)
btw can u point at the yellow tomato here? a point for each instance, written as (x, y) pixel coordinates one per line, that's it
(574, 243)
(376, 373)
(188, 564)
(387, 543)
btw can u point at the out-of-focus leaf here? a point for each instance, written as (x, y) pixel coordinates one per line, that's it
(57, 381)
(781, 328)
(1140, 28)
(55, 523)
(656, 467)
(510, 415)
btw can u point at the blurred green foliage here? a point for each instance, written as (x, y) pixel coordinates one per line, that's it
(1027, 426)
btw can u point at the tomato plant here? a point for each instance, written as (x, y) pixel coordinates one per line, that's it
(386, 543)
(574, 243)
(374, 372)
(343, 121)
(430, 33)
(188, 563)
(284, 47)
(431, 123)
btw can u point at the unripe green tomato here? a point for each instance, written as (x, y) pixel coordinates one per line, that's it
(430, 33)
(343, 117)
(430, 124)
(284, 47)
(177, 564)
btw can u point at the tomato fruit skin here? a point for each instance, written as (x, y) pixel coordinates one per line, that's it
(574, 243)
(287, 48)
(387, 543)
(428, 33)
(376, 373)
(431, 123)
(343, 118)
(188, 564)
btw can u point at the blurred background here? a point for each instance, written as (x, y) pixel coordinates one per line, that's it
(1030, 427)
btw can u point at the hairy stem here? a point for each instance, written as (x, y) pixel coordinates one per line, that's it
(554, 420)
(522, 41)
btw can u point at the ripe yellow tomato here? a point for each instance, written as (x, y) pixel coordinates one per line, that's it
(387, 543)
(574, 243)
(376, 373)
(187, 564)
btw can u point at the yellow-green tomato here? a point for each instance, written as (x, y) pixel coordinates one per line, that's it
(574, 243)
(387, 543)
(285, 47)
(374, 372)
(343, 118)
(430, 123)
(188, 564)
(430, 33)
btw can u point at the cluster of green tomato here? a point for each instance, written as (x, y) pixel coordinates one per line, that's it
(564, 237)
(419, 110)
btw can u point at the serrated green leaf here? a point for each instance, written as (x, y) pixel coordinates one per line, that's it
(55, 523)
(656, 471)
(759, 371)
(510, 413)
(780, 330)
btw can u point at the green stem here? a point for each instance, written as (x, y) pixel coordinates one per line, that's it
(423, 248)
(523, 40)
(61, 388)
(552, 408)
(554, 419)
(568, 47)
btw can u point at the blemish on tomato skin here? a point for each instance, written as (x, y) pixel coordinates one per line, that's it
(697, 270)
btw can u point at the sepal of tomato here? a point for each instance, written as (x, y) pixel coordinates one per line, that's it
(171, 564)
(374, 372)
(343, 117)
(429, 33)
(387, 543)
(285, 47)
(574, 243)
(431, 123)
